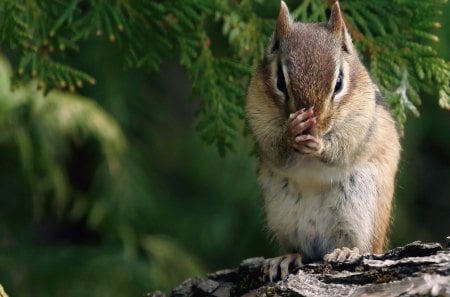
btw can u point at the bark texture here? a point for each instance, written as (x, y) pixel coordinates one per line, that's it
(416, 269)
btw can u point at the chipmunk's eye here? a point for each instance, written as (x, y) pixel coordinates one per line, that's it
(339, 81)
(281, 81)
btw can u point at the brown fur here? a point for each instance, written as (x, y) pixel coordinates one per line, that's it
(357, 135)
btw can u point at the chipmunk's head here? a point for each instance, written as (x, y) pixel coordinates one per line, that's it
(310, 65)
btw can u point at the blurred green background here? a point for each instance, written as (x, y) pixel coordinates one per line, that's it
(163, 205)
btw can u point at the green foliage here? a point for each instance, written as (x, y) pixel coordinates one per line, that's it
(147, 32)
(158, 182)
(87, 271)
(45, 130)
(393, 36)
(42, 128)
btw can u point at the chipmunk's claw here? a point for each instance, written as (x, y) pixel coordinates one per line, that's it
(279, 267)
(343, 254)
(298, 132)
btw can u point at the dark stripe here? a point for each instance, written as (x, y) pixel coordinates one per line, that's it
(269, 88)
(343, 192)
(379, 100)
(368, 135)
(299, 197)
(352, 180)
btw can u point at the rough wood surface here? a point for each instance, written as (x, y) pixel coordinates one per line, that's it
(417, 269)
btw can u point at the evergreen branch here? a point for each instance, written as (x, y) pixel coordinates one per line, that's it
(395, 45)
(43, 126)
(66, 15)
(393, 38)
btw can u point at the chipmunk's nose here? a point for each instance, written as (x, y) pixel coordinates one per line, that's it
(299, 103)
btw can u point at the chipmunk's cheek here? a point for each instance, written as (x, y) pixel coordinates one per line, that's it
(322, 128)
(315, 130)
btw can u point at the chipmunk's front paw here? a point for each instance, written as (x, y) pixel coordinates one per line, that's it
(308, 144)
(298, 132)
(344, 254)
(279, 267)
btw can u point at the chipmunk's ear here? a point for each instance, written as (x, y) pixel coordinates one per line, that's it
(283, 27)
(284, 22)
(336, 21)
(338, 28)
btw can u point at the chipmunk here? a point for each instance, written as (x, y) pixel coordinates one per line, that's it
(328, 145)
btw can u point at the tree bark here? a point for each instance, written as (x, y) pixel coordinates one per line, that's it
(416, 269)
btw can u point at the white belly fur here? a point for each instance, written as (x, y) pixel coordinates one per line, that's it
(311, 215)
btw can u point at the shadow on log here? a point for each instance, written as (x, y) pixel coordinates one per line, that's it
(417, 269)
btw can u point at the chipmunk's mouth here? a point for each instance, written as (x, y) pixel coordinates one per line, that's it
(307, 132)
